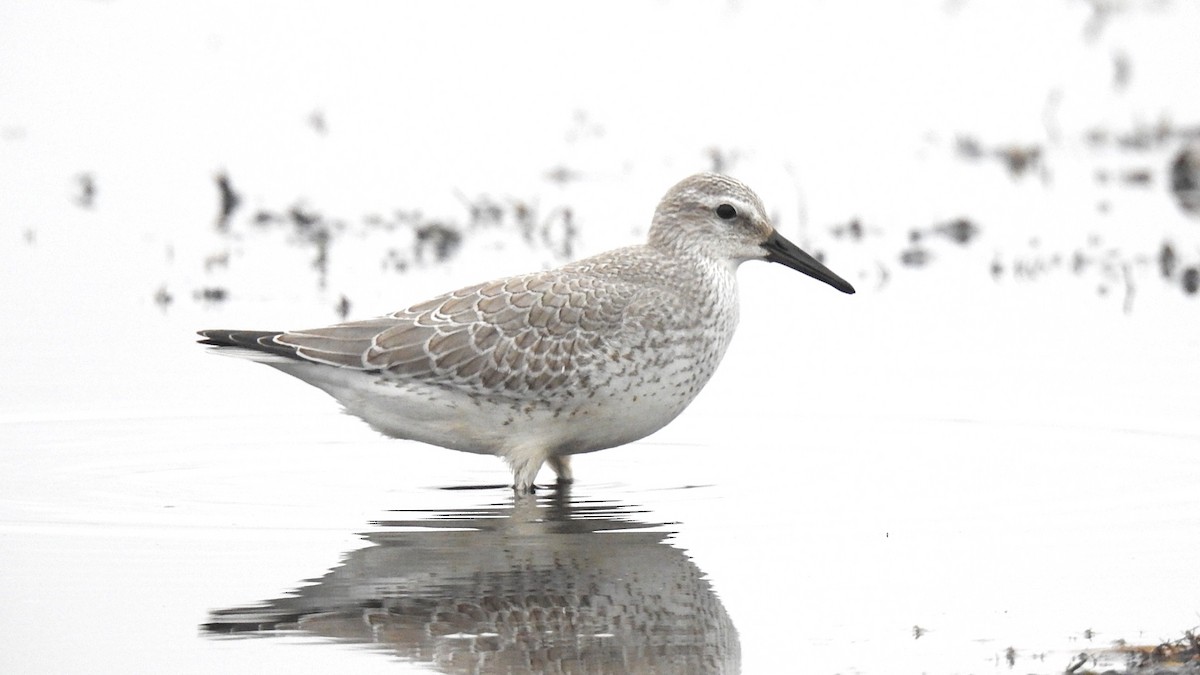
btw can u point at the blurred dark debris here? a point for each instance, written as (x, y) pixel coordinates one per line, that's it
(1190, 280)
(444, 241)
(213, 294)
(997, 268)
(408, 238)
(1185, 177)
(1077, 662)
(308, 228)
(1122, 70)
(218, 260)
(1142, 137)
(563, 174)
(1017, 159)
(853, 230)
(482, 211)
(343, 308)
(1147, 157)
(915, 256)
(1174, 272)
(1020, 159)
(968, 147)
(85, 195)
(558, 232)
(1180, 656)
(1167, 260)
(1112, 270)
(1140, 177)
(229, 200)
(163, 297)
(1136, 177)
(960, 230)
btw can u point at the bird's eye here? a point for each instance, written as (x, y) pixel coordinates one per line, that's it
(726, 212)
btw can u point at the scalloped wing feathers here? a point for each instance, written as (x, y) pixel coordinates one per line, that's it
(530, 333)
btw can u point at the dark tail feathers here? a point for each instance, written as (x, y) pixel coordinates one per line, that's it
(257, 340)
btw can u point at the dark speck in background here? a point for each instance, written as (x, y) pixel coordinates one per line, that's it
(320, 238)
(559, 232)
(1191, 280)
(229, 201)
(968, 147)
(86, 196)
(1167, 260)
(525, 216)
(852, 230)
(1122, 70)
(302, 217)
(163, 297)
(213, 294)
(562, 175)
(483, 211)
(1020, 159)
(394, 261)
(1097, 137)
(215, 260)
(343, 308)
(915, 256)
(265, 217)
(1141, 177)
(959, 230)
(443, 240)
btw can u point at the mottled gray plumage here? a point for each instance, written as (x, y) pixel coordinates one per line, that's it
(537, 367)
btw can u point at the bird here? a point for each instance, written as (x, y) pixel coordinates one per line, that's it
(541, 366)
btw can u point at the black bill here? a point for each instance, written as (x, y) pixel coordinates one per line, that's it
(782, 251)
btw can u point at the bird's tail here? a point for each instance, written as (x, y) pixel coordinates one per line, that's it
(258, 345)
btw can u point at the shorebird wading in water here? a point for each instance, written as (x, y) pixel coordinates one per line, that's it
(538, 367)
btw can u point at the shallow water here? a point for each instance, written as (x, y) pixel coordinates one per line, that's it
(780, 531)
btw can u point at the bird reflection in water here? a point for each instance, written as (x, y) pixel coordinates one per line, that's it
(540, 584)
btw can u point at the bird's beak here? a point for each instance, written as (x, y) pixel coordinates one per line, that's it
(781, 250)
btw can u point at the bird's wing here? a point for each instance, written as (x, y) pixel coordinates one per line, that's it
(530, 333)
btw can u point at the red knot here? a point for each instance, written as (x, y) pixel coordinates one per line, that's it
(537, 367)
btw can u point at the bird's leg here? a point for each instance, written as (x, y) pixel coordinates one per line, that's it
(561, 464)
(525, 470)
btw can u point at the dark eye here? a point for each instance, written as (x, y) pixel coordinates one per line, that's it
(726, 212)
